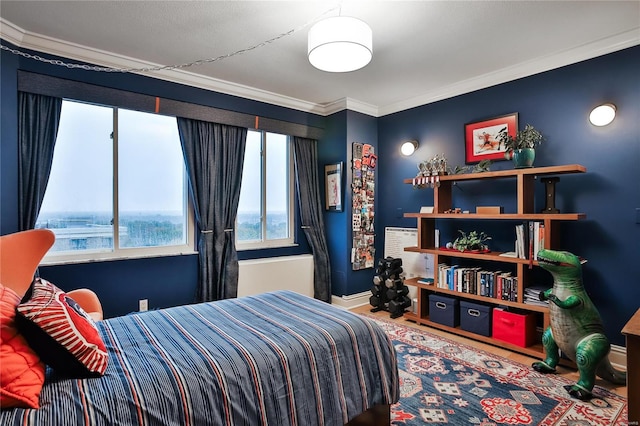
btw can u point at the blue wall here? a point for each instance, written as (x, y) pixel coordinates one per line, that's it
(165, 281)
(342, 129)
(333, 150)
(364, 129)
(558, 103)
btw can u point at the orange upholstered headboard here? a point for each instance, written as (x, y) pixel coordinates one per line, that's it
(20, 254)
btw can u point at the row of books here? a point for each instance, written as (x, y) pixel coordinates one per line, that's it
(497, 284)
(529, 239)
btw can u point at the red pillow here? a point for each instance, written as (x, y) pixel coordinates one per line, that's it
(22, 373)
(62, 334)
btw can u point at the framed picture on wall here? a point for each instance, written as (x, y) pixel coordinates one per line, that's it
(333, 187)
(481, 138)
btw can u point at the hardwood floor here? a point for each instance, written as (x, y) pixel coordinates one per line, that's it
(523, 359)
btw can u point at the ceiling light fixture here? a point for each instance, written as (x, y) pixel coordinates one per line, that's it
(340, 44)
(408, 148)
(602, 115)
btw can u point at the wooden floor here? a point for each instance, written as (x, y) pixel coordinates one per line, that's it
(523, 359)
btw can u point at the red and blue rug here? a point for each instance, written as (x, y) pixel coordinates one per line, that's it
(445, 382)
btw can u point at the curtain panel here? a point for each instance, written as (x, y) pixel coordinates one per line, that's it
(308, 187)
(38, 121)
(214, 157)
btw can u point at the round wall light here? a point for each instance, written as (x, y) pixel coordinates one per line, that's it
(340, 44)
(602, 115)
(409, 147)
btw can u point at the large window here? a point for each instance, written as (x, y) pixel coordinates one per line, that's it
(265, 212)
(117, 186)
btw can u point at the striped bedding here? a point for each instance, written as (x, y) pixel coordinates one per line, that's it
(277, 358)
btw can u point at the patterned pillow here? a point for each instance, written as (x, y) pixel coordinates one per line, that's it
(22, 374)
(62, 334)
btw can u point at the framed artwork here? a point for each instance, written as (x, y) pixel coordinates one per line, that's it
(333, 187)
(481, 138)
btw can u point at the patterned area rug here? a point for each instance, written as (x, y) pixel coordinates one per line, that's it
(445, 382)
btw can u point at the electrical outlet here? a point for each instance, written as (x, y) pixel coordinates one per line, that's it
(143, 305)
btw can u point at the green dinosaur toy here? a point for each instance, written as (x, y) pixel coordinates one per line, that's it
(576, 327)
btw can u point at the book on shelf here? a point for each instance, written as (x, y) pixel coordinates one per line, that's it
(529, 239)
(538, 242)
(508, 288)
(520, 241)
(532, 295)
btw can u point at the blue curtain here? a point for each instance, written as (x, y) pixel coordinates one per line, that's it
(308, 187)
(38, 121)
(214, 157)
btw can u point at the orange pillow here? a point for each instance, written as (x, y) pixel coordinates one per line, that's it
(22, 372)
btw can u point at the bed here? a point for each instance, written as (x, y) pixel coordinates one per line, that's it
(278, 358)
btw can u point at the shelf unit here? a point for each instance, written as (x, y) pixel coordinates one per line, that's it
(443, 201)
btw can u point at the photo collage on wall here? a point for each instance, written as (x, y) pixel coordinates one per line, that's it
(363, 214)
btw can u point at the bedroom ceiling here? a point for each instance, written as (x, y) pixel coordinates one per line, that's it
(423, 50)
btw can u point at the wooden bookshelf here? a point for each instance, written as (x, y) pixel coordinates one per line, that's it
(443, 202)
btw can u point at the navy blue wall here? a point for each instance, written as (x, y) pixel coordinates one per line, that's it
(558, 103)
(364, 129)
(333, 150)
(165, 281)
(342, 129)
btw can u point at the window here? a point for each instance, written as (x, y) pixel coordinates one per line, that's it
(117, 186)
(265, 211)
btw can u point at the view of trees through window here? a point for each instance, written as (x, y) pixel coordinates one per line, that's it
(84, 204)
(264, 211)
(118, 182)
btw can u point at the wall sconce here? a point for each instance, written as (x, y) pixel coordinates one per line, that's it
(408, 147)
(602, 115)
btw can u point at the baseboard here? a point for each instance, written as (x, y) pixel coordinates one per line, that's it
(352, 300)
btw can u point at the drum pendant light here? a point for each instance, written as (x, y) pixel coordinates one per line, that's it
(340, 44)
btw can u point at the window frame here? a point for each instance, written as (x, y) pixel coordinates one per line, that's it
(118, 95)
(120, 253)
(264, 242)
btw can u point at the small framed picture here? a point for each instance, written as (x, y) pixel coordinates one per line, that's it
(481, 138)
(333, 187)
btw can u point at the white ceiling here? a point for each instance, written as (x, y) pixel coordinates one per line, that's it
(424, 51)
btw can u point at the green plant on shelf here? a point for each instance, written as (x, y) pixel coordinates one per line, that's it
(529, 137)
(472, 241)
(482, 166)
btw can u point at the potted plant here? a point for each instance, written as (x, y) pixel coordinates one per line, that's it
(521, 148)
(473, 241)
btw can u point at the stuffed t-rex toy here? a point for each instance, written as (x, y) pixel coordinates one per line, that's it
(576, 327)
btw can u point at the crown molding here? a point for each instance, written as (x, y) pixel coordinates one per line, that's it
(10, 32)
(350, 104)
(24, 39)
(523, 69)
(49, 45)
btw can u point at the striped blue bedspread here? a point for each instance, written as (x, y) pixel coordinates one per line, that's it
(277, 358)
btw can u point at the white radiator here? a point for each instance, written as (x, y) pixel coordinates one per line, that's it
(276, 273)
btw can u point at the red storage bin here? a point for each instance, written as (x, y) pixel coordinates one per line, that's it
(511, 327)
